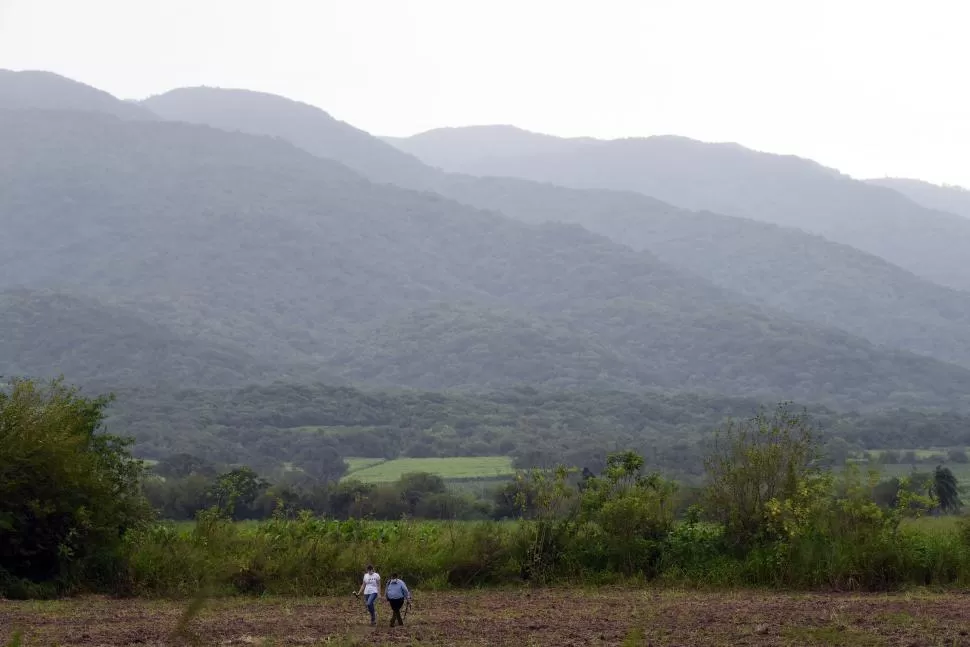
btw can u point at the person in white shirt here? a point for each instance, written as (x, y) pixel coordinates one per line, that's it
(371, 588)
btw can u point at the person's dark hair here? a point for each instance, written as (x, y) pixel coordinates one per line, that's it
(394, 576)
(370, 567)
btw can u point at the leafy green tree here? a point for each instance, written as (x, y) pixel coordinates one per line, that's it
(633, 511)
(416, 486)
(67, 491)
(947, 489)
(763, 477)
(236, 488)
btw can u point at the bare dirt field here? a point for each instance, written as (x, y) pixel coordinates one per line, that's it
(519, 618)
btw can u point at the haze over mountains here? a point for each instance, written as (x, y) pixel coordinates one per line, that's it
(805, 275)
(724, 178)
(278, 259)
(954, 199)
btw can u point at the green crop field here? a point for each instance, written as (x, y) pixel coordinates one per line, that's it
(464, 467)
(357, 464)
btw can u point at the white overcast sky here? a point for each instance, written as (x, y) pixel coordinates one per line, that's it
(872, 87)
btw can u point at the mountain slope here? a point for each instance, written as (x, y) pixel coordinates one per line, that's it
(733, 180)
(48, 91)
(258, 112)
(48, 334)
(296, 259)
(953, 199)
(786, 269)
(805, 275)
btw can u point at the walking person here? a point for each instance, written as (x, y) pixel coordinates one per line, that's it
(371, 588)
(396, 593)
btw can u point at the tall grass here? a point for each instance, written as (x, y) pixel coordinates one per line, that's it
(311, 556)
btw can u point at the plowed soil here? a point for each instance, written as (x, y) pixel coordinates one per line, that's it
(519, 618)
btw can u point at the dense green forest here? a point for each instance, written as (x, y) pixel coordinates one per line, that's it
(265, 426)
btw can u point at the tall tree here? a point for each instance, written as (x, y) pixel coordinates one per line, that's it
(947, 489)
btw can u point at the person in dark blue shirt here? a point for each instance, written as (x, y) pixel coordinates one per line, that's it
(396, 593)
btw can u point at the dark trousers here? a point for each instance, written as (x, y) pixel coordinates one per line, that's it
(396, 608)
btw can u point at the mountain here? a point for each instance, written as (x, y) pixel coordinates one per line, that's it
(805, 275)
(953, 199)
(48, 334)
(447, 148)
(296, 260)
(727, 179)
(46, 90)
(779, 267)
(320, 134)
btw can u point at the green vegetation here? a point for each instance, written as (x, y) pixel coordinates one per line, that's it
(316, 427)
(769, 513)
(67, 492)
(465, 468)
(356, 463)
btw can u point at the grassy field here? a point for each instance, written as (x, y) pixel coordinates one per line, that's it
(960, 470)
(466, 467)
(631, 616)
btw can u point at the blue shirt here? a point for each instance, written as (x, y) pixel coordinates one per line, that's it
(397, 589)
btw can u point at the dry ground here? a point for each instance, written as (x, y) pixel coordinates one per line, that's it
(519, 618)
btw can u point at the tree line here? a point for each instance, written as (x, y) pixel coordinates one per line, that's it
(76, 507)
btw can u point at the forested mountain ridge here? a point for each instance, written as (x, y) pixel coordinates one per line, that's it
(49, 91)
(786, 269)
(812, 278)
(47, 334)
(729, 179)
(953, 199)
(295, 259)
(258, 113)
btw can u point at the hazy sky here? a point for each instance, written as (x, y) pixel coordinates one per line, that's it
(872, 87)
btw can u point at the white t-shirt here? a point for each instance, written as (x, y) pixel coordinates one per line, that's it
(372, 583)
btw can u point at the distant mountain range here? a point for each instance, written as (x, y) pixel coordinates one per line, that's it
(723, 178)
(284, 264)
(954, 199)
(802, 274)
